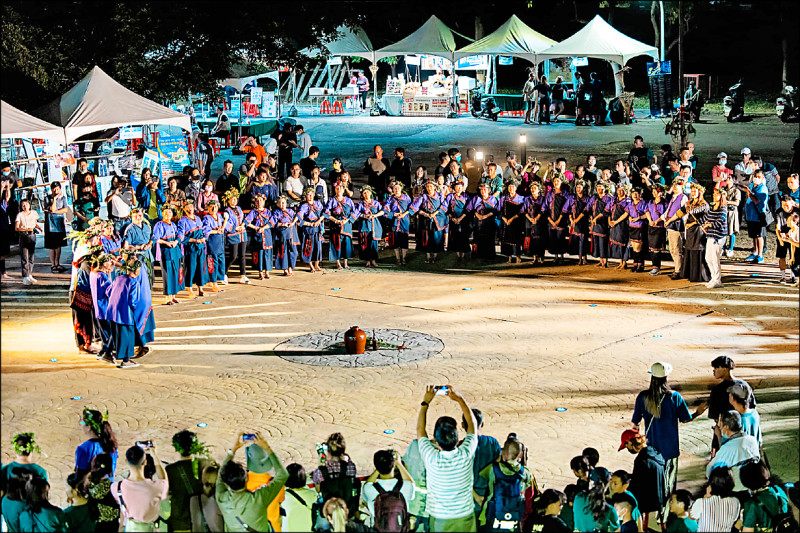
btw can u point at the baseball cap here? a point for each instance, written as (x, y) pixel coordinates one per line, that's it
(627, 435)
(661, 370)
(745, 150)
(722, 155)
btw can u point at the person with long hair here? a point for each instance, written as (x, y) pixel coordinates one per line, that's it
(513, 222)
(661, 408)
(336, 172)
(103, 508)
(185, 481)
(484, 208)
(339, 463)
(619, 226)
(396, 210)
(717, 509)
(167, 239)
(536, 232)
(78, 515)
(370, 231)
(101, 440)
(310, 220)
(138, 238)
(284, 236)
(86, 203)
(592, 511)
(195, 262)
(235, 235)
(637, 229)
(577, 208)
(41, 515)
(460, 222)
(431, 221)
(340, 211)
(259, 220)
(214, 231)
(716, 230)
(693, 266)
(656, 229)
(600, 209)
(55, 226)
(14, 504)
(347, 184)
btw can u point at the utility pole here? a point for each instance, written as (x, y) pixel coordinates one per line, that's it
(661, 33)
(680, 73)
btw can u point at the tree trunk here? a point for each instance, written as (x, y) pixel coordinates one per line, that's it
(785, 51)
(614, 66)
(480, 76)
(656, 22)
(394, 69)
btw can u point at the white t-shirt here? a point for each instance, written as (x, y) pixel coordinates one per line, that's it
(305, 143)
(296, 186)
(449, 478)
(369, 493)
(27, 222)
(272, 146)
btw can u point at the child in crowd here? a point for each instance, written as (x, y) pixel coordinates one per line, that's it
(620, 480)
(570, 491)
(624, 503)
(679, 519)
(783, 250)
(592, 456)
(581, 468)
(548, 508)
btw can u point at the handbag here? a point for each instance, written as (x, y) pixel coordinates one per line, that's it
(81, 300)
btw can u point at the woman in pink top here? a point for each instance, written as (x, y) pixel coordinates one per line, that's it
(140, 498)
(206, 195)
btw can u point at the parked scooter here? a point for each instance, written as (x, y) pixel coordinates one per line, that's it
(733, 103)
(787, 105)
(484, 106)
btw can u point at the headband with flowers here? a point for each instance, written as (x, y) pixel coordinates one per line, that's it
(27, 448)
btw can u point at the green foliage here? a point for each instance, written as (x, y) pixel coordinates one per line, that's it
(391, 60)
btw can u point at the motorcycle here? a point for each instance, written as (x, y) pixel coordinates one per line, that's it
(733, 103)
(484, 106)
(786, 106)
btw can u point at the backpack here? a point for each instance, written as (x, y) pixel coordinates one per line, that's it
(780, 521)
(391, 510)
(506, 508)
(340, 485)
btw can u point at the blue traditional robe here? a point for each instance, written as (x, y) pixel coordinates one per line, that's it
(171, 271)
(486, 229)
(261, 243)
(195, 265)
(341, 244)
(284, 238)
(433, 228)
(311, 236)
(370, 230)
(398, 227)
(216, 247)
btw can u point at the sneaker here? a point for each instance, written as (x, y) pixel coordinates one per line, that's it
(784, 280)
(750, 257)
(128, 364)
(27, 281)
(225, 280)
(759, 259)
(33, 280)
(245, 280)
(655, 272)
(728, 253)
(107, 358)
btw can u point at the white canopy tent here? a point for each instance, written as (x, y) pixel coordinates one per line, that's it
(97, 102)
(353, 42)
(600, 40)
(514, 38)
(240, 83)
(433, 38)
(17, 124)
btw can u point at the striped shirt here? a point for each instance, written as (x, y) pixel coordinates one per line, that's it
(715, 513)
(449, 478)
(718, 218)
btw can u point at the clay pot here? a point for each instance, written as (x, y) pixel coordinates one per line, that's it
(355, 340)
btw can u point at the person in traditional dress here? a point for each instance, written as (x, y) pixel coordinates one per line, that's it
(513, 222)
(195, 263)
(83, 321)
(485, 209)
(577, 208)
(214, 230)
(111, 244)
(100, 284)
(618, 222)
(557, 221)
(310, 220)
(601, 207)
(137, 238)
(122, 300)
(369, 212)
(235, 235)
(340, 211)
(656, 229)
(143, 316)
(536, 232)
(264, 185)
(396, 210)
(637, 229)
(55, 226)
(694, 267)
(259, 219)
(431, 222)
(284, 236)
(167, 239)
(460, 219)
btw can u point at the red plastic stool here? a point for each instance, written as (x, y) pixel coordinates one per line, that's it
(214, 142)
(325, 108)
(338, 108)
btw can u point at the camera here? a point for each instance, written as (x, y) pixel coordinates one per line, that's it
(441, 390)
(144, 444)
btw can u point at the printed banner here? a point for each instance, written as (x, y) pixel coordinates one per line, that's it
(173, 155)
(426, 106)
(130, 132)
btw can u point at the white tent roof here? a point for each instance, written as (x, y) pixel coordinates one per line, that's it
(514, 38)
(601, 40)
(16, 124)
(432, 38)
(352, 43)
(97, 102)
(239, 83)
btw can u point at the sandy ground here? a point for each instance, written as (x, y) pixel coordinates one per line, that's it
(521, 343)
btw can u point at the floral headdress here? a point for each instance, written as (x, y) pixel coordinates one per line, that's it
(514, 182)
(658, 187)
(582, 183)
(309, 190)
(233, 192)
(98, 260)
(137, 211)
(89, 420)
(603, 183)
(695, 185)
(212, 202)
(679, 181)
(27, 448)
(624, 187)
(130, 266)
(367, 188)
(197, 447)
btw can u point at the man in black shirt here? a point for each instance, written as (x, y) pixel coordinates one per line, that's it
(401, 167)
(444, 160)
(640, 156)
(77, 178)
(718, 402)
(377, 169)
(228, 180)
(307, 164)
(287, 141)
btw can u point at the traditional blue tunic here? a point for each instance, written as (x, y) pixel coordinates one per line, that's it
(171, 271)
(513, 233)
(100, 285)
(459, 231)
(370, 230)
(235, 219)
(261, 243)
(558, 223)
(143, 317)
(341, 245)
(123, 295)
(579, 232)
(216, 247)
(110, 245)
(195, 265)
(619, 236)
(600, 208)
(137, 236)
(398, 227)
(285, 238)
(486, 229)
(536, 236)
(433, 228)
(311, 236)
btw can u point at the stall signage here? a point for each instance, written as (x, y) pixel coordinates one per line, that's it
(65, 159)
(426, 106)
(580, 61)
(255, 95)
(473, 63)
(433, 63)
(129, 132)
(173, 153)
(505, 60)
(662, 67)
(333, 61)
